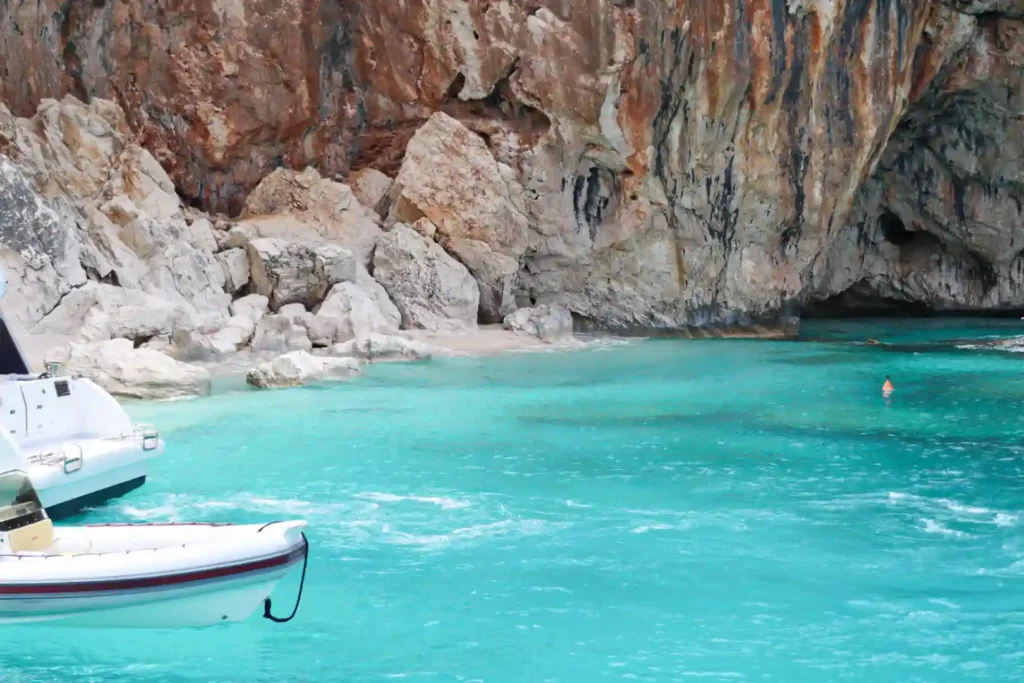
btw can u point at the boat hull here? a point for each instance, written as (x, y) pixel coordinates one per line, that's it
(93, 499)
(107, 473)
(196, 596)
(215, 602)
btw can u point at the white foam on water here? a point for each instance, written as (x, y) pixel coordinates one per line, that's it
(954, 506)
(526, 527)
(247, 501)
(178, 507)
(711, 674)
(877, 605)
(962, 512)
(944, 603)
(1015, 569)
(441, 501)
(1005, 519)
(168, 511)
(652, 527)
(933, 527)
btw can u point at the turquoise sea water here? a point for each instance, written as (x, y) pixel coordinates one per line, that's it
(660, 511)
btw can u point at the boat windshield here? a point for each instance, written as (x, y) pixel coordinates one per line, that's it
(19, 504)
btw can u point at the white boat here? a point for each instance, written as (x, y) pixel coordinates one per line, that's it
(137, 575)
(73, 439)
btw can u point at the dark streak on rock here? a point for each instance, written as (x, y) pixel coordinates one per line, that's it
(778, 42)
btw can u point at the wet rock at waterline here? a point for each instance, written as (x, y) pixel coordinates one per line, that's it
(298, 368)
(383, 347)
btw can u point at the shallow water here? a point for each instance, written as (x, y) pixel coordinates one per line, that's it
(661, 511)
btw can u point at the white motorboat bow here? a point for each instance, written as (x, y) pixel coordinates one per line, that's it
(73, 439)
(137, 575)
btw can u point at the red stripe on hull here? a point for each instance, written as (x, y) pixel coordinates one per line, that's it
(290, 557)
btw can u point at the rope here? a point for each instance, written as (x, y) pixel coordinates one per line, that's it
(298, 599)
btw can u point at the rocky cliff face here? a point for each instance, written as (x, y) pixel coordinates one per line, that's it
(650, 164)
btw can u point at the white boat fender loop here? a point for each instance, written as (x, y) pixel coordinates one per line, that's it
(302, 582)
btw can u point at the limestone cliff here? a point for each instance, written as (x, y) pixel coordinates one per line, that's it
(647, 163)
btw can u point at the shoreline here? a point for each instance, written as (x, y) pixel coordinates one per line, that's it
(489, 341)
(485, 342)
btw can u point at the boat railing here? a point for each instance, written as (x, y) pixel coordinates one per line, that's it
(55, 369)
(52, 371)
(149, 434)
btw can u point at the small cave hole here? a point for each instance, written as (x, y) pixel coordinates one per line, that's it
(458, 83)
(893, 229)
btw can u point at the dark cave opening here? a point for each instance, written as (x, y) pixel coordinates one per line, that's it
(893, 229)
(860, 301)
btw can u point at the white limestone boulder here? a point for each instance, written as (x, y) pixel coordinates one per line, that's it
(351, 303)
(132, 226)
(477, 205)
(236, 334)
(304, 206)
(39, 248)
(298, 368)
(295, 272)
(294, 312)
(431, 289)
(253, 306)
(380, 296)
(98, 312)
(383, 347)
(235, 263)
(129, 372)
(277, 332)
(371, 188)
(549, 322)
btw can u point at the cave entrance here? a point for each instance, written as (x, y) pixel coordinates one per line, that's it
(894, 230)
(861, 301)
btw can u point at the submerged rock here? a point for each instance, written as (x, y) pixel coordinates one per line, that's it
(549, 323)
(126, 371)
(298, 368)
